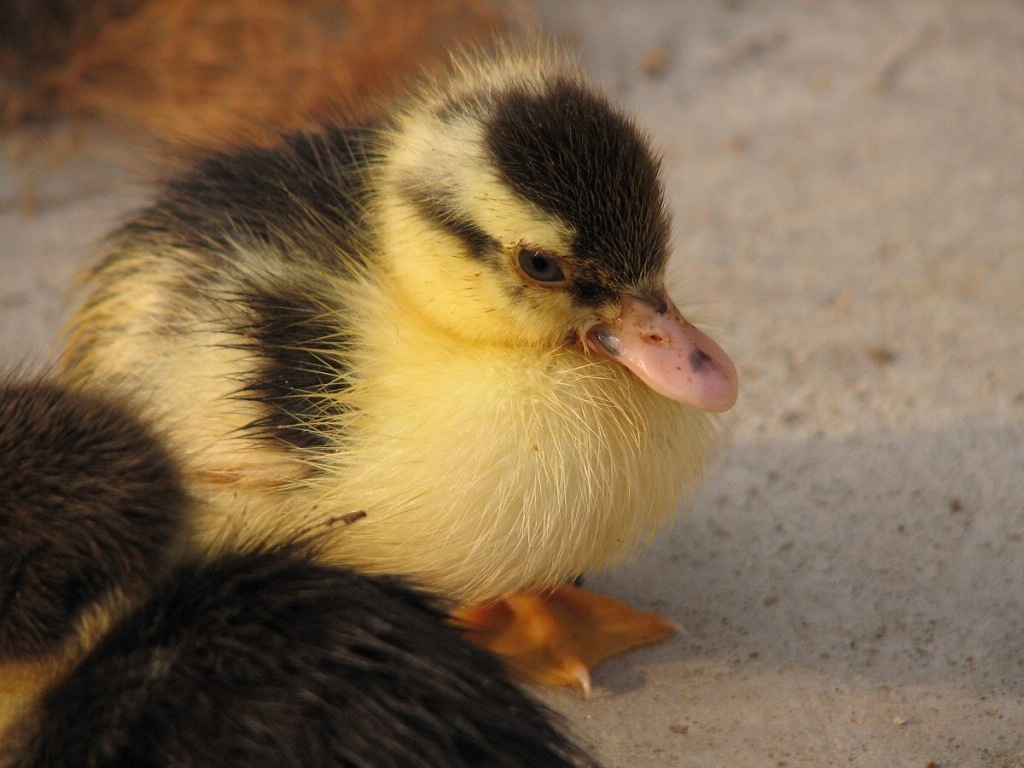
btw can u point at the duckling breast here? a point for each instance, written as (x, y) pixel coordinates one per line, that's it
(485, 469)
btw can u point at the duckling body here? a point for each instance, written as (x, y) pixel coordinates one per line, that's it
(118, 650)
(265, 658)
(426, 323)
(91, 512)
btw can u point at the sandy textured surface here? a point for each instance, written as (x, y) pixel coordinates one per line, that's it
(848, 188)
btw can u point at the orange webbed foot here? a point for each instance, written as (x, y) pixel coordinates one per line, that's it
(554, 637)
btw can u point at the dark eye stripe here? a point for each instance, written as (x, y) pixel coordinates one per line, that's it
(434, 208)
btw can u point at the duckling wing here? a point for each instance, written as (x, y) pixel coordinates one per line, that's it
(221, 309)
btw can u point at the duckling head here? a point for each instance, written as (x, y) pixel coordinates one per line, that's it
(518, 207)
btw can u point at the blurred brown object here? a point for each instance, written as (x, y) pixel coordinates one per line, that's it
(204, 71)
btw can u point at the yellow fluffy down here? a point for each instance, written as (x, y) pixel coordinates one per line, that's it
(484, 469)
(481, 468)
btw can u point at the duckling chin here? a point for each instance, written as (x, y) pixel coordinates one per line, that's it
(455, 322)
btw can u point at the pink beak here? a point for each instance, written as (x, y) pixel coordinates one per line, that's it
(651, 338)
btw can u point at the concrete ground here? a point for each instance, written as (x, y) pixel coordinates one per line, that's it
(848, 188)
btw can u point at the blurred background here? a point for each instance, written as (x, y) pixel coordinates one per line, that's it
(847, 184)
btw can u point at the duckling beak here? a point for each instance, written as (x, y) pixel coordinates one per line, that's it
(652, 339)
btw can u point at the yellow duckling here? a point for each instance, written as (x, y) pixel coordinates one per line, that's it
(442, 344)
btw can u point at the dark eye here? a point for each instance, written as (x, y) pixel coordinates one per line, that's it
(542, 267)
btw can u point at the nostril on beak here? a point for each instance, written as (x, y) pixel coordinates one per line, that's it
(698, 358)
